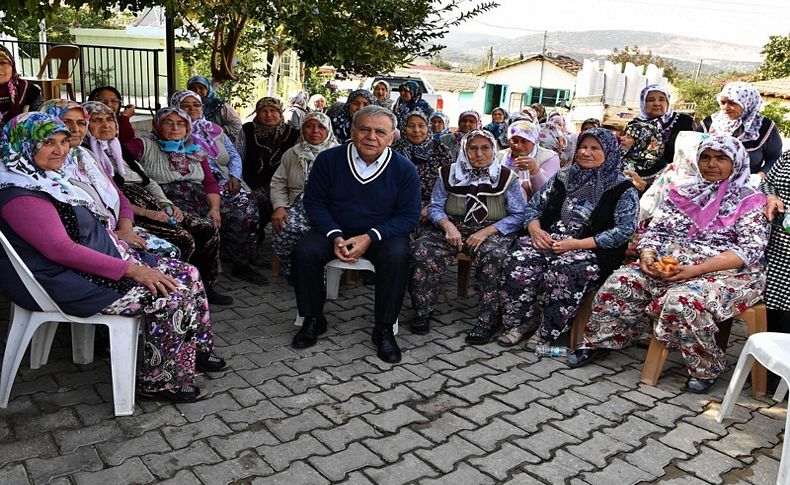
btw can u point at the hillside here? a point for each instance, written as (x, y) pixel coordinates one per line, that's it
(685, 52)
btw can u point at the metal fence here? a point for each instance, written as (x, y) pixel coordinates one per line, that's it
(133, 71)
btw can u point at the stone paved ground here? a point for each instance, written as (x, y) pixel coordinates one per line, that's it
(449, 413)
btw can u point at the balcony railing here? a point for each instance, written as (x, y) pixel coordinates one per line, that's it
(133, 71)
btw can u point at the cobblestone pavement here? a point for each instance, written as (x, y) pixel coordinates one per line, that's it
(449, 413)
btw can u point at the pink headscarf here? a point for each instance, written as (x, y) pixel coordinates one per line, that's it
(204, 132)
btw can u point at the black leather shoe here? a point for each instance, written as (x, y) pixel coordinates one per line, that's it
(388, 349)
(307, 336)
(479, 335)
(216, 298)
(699, 386)
(582, 357)
(248, 274)
(421, 325)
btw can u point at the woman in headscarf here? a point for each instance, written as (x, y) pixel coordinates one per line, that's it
(476, 207)
(410, 100)
(498, 125)
(579, 224)
(381, 91)
(468, 121)
(552, 137)
(716, 230)
(181, 167)
(111, 97)
(425, 152)
(440, 124)
(587, 124)
(61, 235)
(95, 175)
(216, 109)
(317, 103)
(296, 110)
(642, 151)
(16, 95)
(740, 117)
(196, 237)
(289, 221)
(656, 108)
(261, 144)
(533, 164)
(342, 114)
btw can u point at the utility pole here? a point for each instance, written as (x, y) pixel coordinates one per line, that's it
(699, 69)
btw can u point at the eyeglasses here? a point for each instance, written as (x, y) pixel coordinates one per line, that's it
(109, 100)
(190, 105)
(173, 124)
(479, 148)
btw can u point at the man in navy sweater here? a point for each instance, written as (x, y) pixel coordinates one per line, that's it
(362, 199)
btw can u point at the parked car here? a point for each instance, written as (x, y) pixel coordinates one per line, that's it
(428, 94)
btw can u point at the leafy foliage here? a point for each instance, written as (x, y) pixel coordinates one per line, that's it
(778, 113)
(635, 55)
(777, 58)
(703, 93)
(24, 26)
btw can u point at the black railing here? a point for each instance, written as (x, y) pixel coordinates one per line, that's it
(134, 72)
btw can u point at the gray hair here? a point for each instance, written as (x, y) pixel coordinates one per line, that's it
(375, 111)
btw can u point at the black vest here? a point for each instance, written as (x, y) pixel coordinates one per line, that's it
(601, 219)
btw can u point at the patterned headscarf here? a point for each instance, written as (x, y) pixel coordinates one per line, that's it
(204, 132)
(23, 136)
(643, 102)
(108, 153)
(313, 99)
(713, 206)
(479, 126)
(13, 92)
(211, 103)
(474, 182)
(647, 148)
(591, 183)
(298, 98)
(747, 126)
(498, 128)
(306, 152)
(550, 134)
(526, 130)
(180, 152)
(81, 164)
(342, 118)
(445, 119)
(421, 152)
(592, 121)
(403, 108)
(559, 120)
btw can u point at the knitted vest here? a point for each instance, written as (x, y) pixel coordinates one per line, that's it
(496, 202)
(158, 167)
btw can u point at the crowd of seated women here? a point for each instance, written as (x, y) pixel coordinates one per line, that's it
(127, 223)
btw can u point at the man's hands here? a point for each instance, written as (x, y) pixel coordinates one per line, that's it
(350, 250)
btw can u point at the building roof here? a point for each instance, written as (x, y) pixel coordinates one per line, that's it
(777, 88)
(566, 63)
(443, 80)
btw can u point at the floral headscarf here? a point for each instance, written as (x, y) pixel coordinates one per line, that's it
(479, 126)
(421, 152)
(647, 149)
(13, 92)
(306, 152)
(559, 120)
(526, 130)
(108, 153)
(342, 118)
(666, 117)
(23, 136)
(747, 126)
(550, 135)
(473, 182)
(314, 99)
(591, 183)
(298, 98)
(180, 152)
(212, 104)
(445, 119)
(403, 108)
(204, 132)
(713, 206)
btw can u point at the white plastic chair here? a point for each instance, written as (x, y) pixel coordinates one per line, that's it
(334, 270)
(772, 350)
(25, 324)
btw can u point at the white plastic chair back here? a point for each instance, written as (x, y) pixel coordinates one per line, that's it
(41, 297)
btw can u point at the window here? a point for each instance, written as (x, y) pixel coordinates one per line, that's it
(547, 96)
(516, 102)
(285, 64)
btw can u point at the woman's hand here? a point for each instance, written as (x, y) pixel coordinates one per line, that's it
(565, 245)
(132, 238)
(157, 282)
(540, 238)
(178, 214)
(527, 163)
(773, 207)
(233, 186)
(128, 111)
(160, 216)
(475, 240)
(646, 265)
(215, 217)
(452, 236)
(683, 272)
(424, 214)
(279, 219)
(638, 181)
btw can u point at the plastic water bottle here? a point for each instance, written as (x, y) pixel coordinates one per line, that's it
(171, 214)
(551, 351)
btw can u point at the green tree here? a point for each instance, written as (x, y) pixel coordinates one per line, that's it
(635, 55)
(776, 63)
(778, 113)
(702, 93)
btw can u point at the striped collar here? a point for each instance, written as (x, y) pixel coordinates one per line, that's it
(381, 163)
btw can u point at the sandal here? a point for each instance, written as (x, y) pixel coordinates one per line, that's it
(479, 335)
(510, 338)
(209, 362)
(188, 393)
(535, 341)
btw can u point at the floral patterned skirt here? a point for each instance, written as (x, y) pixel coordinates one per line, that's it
(175, 328)
(431, 255)
(683, 314)
(285, 241)
(542, 282)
